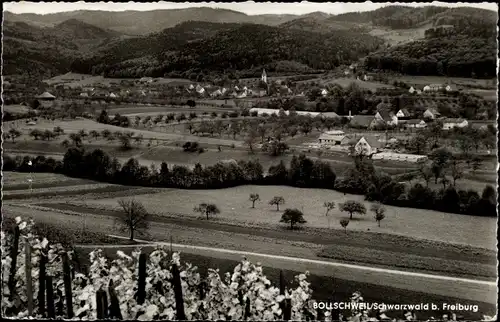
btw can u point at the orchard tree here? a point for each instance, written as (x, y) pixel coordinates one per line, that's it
(426, 173)
(277, 200)
(440, 159)
(253, 198)
(456, 170)
(352, 207)
(207, 209)
(293, 217)
(344, 223)
(133, 218)
(14, 134)
(379, 212)
(36, 133)
(329, 205)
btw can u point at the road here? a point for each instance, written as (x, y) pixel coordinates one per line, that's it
(466, 289)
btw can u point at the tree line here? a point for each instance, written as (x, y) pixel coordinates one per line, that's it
(302, 172)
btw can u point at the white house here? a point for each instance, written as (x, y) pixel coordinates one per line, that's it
(324, 92)
(367, 78)
(264, 76)
(113, 95)
(366, 146)
(346, 72)
(414, 124)
(403, 113)
(146, 80)
(191, 87)
(84, 94)
(448, 88)
(433, 88)
(411, 90)
(451, 123)
(200, 89)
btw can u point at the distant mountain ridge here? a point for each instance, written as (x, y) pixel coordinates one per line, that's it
(145, 22)
(197, 40)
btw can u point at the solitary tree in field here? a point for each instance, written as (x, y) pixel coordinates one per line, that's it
(36, 133)
(344, 223)
(253, 198)
(352, 207)
(94, 134)
(329, 205)
(66, 143)
(125, 142)
(134, 217)
(207, 209)
(14, 134)
(277, 200)
(456, 170)
(293, 216)
(379, 212)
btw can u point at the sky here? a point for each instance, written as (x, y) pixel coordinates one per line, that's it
(248, 7)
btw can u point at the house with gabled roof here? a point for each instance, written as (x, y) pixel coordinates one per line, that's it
(386, 117)
(403, 114)
(367, 145)
(431, 113)
(414, 124)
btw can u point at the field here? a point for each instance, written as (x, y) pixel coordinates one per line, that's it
(399, 37)
(235, 207)
(426, 80)
(345, 82)
(78, 80)
(15, 108)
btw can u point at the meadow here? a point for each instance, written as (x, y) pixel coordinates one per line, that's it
(235, 208)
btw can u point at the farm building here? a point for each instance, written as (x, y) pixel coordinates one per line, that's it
(200, 90)
(386, 117)
(391, 156)
(367, 146)
(483, 125)
(403, 114)
(433, 87)
(333, 139)
(329, 115)
(451, 123)
(270, 111)
(46, 99)
(414, 124)
(431, 113)
(146, 80)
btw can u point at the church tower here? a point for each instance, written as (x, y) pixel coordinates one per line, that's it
(264, 76)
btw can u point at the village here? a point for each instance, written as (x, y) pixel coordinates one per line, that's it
(378, 135)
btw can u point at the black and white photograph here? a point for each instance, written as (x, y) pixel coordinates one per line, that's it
(249, 161)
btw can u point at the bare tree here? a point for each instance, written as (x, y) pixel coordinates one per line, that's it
(253, 198)
(134, 217)
(277, 200)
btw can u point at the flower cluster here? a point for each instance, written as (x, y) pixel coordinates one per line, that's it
(244, 294)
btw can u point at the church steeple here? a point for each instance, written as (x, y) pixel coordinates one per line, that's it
(264, 76)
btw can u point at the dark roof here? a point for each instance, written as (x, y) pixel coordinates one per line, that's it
(362, 120)
(386, 115)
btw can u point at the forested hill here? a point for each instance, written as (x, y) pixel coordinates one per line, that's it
(28, 49)
(228, 48)
(403, 17)
(461, 43)
(146, 22)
